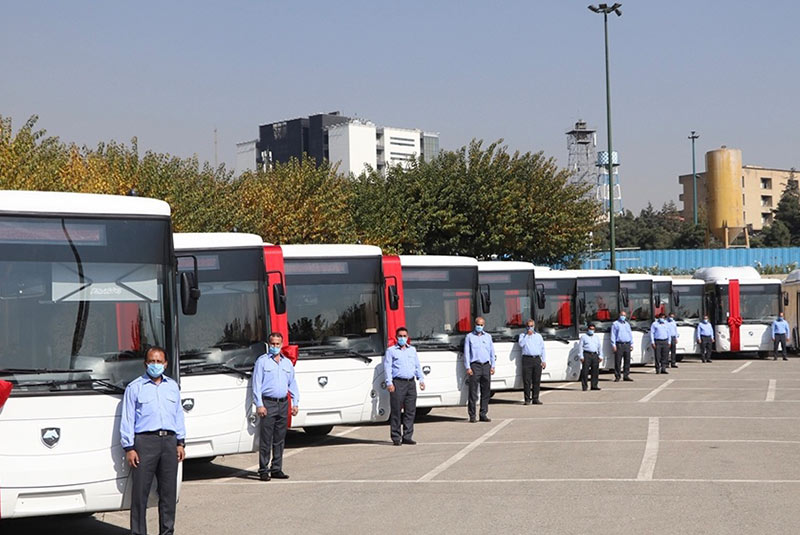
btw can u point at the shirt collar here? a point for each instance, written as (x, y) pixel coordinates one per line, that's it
(164, 378)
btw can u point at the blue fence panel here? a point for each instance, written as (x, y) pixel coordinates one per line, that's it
(689, 259)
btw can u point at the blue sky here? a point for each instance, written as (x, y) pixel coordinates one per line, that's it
(524, 71)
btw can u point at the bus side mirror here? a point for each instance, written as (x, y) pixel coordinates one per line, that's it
(190, 293)
(540, 299)
(582, 304)
(785, 299)
(279, 298)
(676, 299)
(394, 297)
(625, 300)
(486, 299)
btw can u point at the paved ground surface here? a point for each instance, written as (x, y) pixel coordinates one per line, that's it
(709, 448)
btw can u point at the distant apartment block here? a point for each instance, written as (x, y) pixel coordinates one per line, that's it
(354, 144)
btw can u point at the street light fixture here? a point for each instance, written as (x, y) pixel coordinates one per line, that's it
(694, 177)
(605, 9)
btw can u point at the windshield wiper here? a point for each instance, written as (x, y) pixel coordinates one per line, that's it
(189, 369)
(354, 355)
(556, 337)
(433, 344)
(334, 352)
(53, 384)
(39, 371)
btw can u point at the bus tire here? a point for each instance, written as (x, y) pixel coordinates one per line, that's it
(679, 358)
(318, 430)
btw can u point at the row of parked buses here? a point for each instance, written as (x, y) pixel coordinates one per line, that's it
(88, 282)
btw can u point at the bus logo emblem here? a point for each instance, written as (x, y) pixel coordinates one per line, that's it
(51, 436)
(187, 404)
(426, 370)
(323, 380)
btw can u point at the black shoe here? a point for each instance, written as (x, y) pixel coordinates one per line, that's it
(409, 441)
(279, 475)
(537, 402)
(627, 379)
(774, 358)
(396, 442)
(486, 419)
(664, 371)
(673, 366)
(784, 358)
(658, 371)
(596, 388)
(264, 477)
(472, 420)
(616, 379)
(584, 388)
(709, 360)
(526, 402)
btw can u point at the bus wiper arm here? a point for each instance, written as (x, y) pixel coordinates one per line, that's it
(355, 355)
(39, 371)
(188, 369)
(54, 383)
(556, 337)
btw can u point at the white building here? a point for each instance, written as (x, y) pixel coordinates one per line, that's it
(245, 156)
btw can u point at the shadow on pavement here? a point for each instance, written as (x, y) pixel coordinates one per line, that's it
(83, 524)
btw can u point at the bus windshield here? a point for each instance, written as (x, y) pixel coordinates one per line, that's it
(82, 299)
(512, 295)
(231, 324)
(439, 303)
(662, 297)
(599, 302)
(334, 306)
(689, 309)
(640, 303)
(557, 318)
(758, 303)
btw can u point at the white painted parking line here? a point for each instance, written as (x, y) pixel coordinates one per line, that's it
(771, 390)
(743, 366)
(655, 392)
(650, 456)
(461, 454)
(347, 431)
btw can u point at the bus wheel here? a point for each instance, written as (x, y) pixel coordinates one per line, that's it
(679, 358)
(763, 355)
(423, 411)
(318, 430)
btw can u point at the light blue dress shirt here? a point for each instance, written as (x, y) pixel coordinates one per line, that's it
(274, 380)
(705, 329)
(148, 406)
(659, 331)
(402, 363)
(780, 326)
(672, 327)
(621, 332)
(532, 345)
(589, 344)
(478, 348)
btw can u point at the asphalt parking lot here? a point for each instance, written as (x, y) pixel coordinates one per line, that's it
(709, 448)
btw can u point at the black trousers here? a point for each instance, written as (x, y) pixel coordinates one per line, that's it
(481, 378)
(158, 457)
(622, 359)
(780, 339)
(705, 348)
(591, 366)
(273, 436)
(662, 355)
(531, 376)
(403, 403)
(673, 350)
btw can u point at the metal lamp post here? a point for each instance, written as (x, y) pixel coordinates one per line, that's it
(694, 177)
(605, 9)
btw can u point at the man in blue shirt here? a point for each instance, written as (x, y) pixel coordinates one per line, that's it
(589, 351)
(672, 326)
(400, 367)
(479, 361)
(152, 433)
(660, 337)
(705, 337)
(273, 381)
(780, 336)
(533, 362)
(622, 345)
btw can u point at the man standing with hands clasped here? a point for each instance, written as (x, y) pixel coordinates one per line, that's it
(622, 345)
(780, 336)
(705, 337)
(400, 367)
(589, 351)
(152, 433)
(672, 326)
(479, 361)
(660, 339)
(273, 380)
(533, 362)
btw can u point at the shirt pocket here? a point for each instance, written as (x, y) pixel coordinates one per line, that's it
(146, 395)
(172, 396)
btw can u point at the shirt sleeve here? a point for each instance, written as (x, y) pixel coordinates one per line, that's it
(258, 374)
(180, 422)
(652, 333)
(418, 368)
(614, 333)
(387, 366)
(580, 346)
(774, 324)
(293, 390)
(698, 334)
(467, 354)
(127, 422)
(491, 351)
(544, 357)
(521, 340)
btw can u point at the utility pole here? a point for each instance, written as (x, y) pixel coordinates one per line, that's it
(215, 148)
(694, 177)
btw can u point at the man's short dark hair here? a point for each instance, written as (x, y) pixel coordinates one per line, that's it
(590, 326)
(275, 334)
(399, 330)
(154, 349)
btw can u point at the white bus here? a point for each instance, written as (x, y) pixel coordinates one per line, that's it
(220, 344)
(791, 309)
(688, 308)
(599, 300)
(742, 307)
(511, 288)
(440, 305)
(637, 292)
(337, 317)
(87, 286)
(557, 321)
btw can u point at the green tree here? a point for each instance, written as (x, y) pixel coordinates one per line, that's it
(788, 210)
(776, 235)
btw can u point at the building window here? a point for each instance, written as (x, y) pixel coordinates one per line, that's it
(766, 219)
(766, 201)
(743, 199)
(742, 181)
(766, 183)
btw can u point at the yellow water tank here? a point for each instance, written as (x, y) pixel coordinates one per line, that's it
(724, 191)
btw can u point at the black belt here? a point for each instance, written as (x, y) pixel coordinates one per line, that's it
(662, 339)
(276, 400)
(401, 379)
(159, 433)
(706, 336)
(618, 342)
(590, 353)
(532, 356)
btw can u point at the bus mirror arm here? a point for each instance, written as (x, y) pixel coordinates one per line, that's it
(785, 299)
(278, 293)
(190, 289)
(393, 296)
(486, 298)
